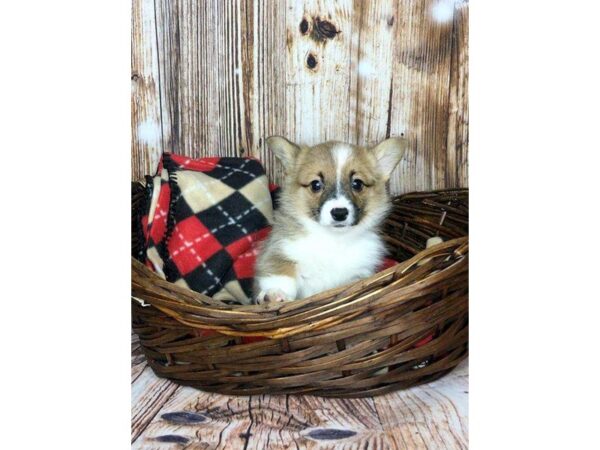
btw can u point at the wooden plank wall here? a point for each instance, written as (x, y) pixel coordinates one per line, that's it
(217, 77)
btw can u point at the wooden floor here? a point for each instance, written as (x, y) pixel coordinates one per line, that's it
(167, 416)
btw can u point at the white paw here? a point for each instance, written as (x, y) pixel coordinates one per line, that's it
(271, 296)
(276, 288)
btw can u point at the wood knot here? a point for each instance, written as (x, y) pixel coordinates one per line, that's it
(323, 29)
(135, 77)
(172, 438)
(183, 417)
(328, 434)
(304, 26)
(311, 61)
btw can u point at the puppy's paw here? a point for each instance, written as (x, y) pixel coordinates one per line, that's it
(271, 296)
(276, 288)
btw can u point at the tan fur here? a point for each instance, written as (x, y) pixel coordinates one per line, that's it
(275, 263)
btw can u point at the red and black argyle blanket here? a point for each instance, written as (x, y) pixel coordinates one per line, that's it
(204, 220)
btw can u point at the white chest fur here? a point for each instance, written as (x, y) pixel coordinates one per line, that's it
(327, 258)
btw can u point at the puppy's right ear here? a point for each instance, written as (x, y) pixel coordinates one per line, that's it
(284, 150)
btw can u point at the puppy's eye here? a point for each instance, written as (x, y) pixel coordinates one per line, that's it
(358, 184)
(316, 185)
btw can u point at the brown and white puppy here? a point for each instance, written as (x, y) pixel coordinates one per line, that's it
(325, 233)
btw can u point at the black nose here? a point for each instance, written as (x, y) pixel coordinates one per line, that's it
(339, 214)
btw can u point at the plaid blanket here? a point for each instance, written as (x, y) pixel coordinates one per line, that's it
(204, 221)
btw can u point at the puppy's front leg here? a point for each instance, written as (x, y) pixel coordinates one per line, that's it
(276, 282)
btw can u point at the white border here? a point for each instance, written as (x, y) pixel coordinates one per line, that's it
(65, 307)
(534, 202)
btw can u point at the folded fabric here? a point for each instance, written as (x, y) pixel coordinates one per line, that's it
(205, 219)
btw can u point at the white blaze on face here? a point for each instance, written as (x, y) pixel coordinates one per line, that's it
(341, 154)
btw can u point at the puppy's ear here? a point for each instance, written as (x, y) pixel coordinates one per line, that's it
(388, 154)
(284, 150)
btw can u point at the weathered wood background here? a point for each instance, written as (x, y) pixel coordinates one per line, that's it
(217, 77)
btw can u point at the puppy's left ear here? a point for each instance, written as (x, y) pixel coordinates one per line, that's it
(284, 150)
(389, 153)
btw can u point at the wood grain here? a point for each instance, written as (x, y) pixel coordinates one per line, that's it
(148, 395)
(223, 76)
(373, 43)
(430, 416)
(458, 118)
(264, 422)
(265, 74)
(419, 99)
(146, 133)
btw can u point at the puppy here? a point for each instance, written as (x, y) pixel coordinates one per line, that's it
(325, 233)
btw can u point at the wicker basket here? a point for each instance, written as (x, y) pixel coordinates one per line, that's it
(401, 327)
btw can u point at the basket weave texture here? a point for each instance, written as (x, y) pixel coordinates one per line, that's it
(401, 327)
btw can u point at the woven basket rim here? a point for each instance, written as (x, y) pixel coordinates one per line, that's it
(460, 246)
